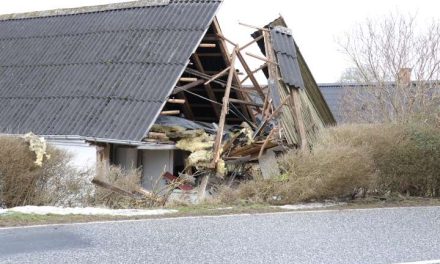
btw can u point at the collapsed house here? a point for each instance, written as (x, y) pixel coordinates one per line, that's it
(154, 84)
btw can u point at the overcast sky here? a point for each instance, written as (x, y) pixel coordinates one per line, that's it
(315, 23)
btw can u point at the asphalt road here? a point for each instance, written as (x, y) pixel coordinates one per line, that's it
(355, 236)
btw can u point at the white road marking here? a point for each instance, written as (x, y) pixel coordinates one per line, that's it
(437, 261)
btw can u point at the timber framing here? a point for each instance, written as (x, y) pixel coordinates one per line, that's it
(287, 113)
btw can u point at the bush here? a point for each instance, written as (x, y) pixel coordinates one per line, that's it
(22, 182)
(401, 158)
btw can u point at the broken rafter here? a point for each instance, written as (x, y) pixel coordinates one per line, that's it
(231, 100)
(254, 27)
(261, 58)
(252, 42)
(227, 40)
(218, 75)
(188, 86)
(255, 71)
(221, 126)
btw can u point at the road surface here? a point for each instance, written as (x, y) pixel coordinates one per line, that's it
(353, 236)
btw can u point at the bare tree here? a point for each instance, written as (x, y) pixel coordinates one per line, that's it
(397, 64)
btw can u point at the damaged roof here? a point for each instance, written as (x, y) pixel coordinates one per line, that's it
(101, 72)
(285, 48)
(293, 67)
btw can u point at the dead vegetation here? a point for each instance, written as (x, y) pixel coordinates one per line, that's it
(353, 161)
(121, 189)
(24, 182)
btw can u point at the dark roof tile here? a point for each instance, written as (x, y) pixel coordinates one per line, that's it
(102, 74)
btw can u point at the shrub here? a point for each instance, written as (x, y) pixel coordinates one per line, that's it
(22, 182)
(401, 158)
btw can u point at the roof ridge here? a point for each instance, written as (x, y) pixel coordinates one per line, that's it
(86, 9)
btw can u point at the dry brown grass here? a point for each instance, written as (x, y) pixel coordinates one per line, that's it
(380, 158)
(24, 183)
(128, 180)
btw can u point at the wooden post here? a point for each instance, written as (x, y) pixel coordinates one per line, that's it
(224, 112)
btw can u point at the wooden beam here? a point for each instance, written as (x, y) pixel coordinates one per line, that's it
(209, 54)
(255, 71)
(227, 40)
(261, 58)
(187, 79)
(176, 101)
(113, 188)
(250, 74)
(187, 111)
(252, 42)
(254, 27)
(171, 112)
(221, 125)
(188, 86)
(207, 45)
(232, 100)
(218, 75)
(208, 88)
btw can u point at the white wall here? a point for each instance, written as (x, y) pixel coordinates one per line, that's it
(83, 154)
(154, 163)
